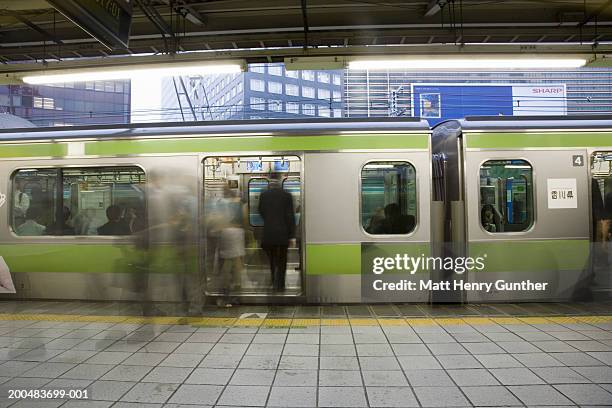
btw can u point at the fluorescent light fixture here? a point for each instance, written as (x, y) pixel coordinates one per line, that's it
(128, 72)
(517, 166)
(465, 62)
(379, 166)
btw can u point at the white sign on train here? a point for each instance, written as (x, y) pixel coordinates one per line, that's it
(562, 193)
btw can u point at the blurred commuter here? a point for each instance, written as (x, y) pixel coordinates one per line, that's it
(21, 203)
(135, 219)
(276, 209)
(231, 244)
(115, 225)
(85, 222)
(166, 248)
(606, 227)
(31, 227)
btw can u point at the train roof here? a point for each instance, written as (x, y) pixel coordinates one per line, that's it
(283, 126)
(500, 123)
(482, 132)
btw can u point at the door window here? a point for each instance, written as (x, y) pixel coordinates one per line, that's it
(388, 198)
(506, 196)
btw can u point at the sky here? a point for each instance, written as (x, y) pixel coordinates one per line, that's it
(146, 100)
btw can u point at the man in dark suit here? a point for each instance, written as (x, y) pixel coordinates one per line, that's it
(115, 225)
(276, 209)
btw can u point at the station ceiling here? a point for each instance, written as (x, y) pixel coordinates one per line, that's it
(267, 30)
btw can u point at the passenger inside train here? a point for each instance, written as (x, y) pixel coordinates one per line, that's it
(276, 210)
(116, 225)
(487, 218)
(21, 202)
(31, 226)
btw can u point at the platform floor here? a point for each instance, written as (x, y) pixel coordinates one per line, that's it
(331, 356)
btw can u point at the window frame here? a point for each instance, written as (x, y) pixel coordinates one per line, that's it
(306, 75)
(254, 81)
(322, 74)
(274, 67)
(260, 102)
(314, 92)
(324, 108)
(10, 198)
(324, 91)
(249, 198)
(306, 108)
(275, 102)
(292, 86)
(534, 204)
(292, 103)
(272, 84)
(416, 194)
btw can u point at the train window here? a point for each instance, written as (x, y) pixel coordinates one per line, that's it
(506, 196)
(255, 187)
(78, 201)
(293, 185)
(34, 194)
(388, 198)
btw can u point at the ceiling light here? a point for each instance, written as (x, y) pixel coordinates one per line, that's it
(475, 62)
(129, 72)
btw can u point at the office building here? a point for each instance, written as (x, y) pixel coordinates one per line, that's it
(265, 91)
(68, 104)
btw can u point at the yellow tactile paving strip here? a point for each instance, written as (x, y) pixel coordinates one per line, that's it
(297, 322)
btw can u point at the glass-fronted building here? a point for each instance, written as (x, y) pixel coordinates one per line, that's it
(264, 91)
(70, 103)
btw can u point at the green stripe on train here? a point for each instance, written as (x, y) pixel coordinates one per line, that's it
(333, 259)
(354, 259)
(258, 143)
(534, 139)
(33, 150)
(89, 258)
(533, 256)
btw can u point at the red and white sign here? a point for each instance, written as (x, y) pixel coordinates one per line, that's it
(539, 100)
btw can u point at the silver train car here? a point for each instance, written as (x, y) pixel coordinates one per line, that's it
(533, 196)
(170, 212)
(140, 212)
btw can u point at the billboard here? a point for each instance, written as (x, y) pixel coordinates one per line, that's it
(440, 102)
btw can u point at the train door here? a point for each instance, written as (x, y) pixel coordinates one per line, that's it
(527, 217)
(601, 231)
(245, 259)
(363, 207)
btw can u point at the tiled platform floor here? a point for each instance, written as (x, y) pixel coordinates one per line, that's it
(297, 361)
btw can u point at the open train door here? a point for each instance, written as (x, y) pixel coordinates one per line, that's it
(600, 284)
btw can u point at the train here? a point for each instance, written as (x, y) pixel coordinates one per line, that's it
(530, 198)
